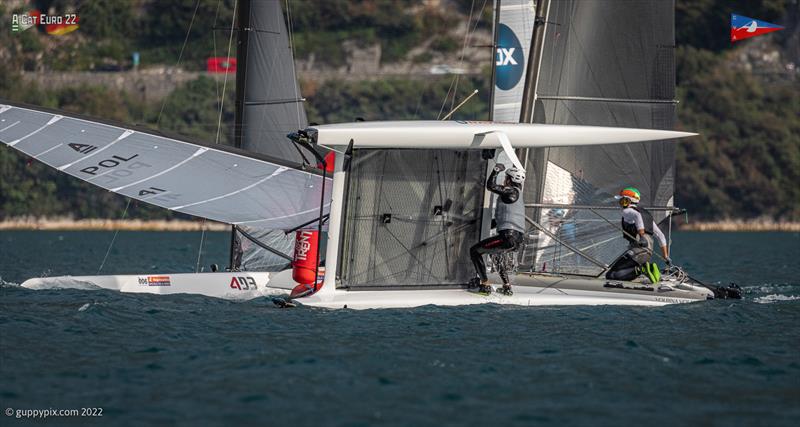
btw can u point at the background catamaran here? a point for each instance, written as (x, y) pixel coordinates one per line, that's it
(406, 199)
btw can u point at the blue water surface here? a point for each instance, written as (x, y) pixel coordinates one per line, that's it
(194, 360)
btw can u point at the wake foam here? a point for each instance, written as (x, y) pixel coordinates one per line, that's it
(769, 299)
(772, 288)
(3, 283)
(62, 282)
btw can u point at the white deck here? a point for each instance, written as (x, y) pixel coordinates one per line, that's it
(530, 290)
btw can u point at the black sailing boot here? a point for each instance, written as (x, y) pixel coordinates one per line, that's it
(506, 290)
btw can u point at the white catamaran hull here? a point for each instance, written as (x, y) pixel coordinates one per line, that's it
(228, 285)
(529, 290)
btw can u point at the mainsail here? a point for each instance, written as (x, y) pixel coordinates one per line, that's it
(210, 181)
(268, 107)
(605, 63)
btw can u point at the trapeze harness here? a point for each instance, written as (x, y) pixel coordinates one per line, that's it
(510, 218)
(640, 249)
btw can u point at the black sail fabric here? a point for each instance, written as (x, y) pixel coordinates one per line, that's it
(272, 107)
(604, 63)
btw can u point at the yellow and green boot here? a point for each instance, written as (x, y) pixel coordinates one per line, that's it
(652, 272)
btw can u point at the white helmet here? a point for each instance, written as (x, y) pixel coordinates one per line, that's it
(517, 176)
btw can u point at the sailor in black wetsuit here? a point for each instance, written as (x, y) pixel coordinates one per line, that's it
(510, 218)
(638, 229)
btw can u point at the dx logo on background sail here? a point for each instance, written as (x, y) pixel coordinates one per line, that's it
(505, 56)
(509, 59)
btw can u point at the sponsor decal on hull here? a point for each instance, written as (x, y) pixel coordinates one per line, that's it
(155, 281)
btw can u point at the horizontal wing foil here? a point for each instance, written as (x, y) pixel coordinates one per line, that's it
(204, 181)
(459, 135)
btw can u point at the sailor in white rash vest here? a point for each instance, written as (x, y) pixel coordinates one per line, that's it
(638, 228)
(510, 218)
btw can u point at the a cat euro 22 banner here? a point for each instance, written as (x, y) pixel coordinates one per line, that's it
(743, 27)
(54, 25)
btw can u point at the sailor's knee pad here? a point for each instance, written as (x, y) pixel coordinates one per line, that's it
(640, 255)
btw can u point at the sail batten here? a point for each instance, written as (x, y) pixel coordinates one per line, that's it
(597, 99)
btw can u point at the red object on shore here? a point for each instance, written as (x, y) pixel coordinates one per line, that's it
(221, 64)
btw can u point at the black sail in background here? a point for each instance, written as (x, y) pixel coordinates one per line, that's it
(269, 106)
(272, 105)
(604, 63)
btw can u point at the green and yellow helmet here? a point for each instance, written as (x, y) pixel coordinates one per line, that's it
(629, 193)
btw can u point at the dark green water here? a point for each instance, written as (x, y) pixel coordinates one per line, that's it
(192, 360)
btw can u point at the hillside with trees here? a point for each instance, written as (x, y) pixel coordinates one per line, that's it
(745, 165)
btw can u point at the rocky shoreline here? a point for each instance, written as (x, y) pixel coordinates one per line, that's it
(98, 224)
(741, 225)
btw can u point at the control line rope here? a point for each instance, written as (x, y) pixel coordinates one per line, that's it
(113, 239)
(180, 56)
(200, 251)
(225, 79)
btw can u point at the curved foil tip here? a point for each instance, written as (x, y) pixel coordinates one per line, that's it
(686, 134)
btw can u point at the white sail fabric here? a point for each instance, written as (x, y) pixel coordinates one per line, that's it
(210, 182)
(514, 33)
(256, 258)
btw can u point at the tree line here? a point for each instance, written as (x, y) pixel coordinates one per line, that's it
(745, 164)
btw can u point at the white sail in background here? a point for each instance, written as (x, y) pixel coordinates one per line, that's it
(514, 33)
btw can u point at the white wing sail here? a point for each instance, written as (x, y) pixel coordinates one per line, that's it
(215, 182)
